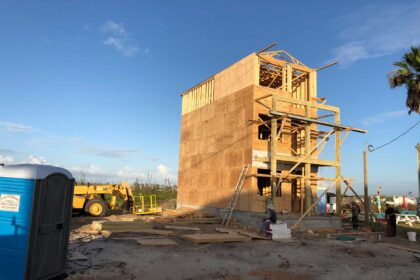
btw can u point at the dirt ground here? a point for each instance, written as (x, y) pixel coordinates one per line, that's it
(306, 257)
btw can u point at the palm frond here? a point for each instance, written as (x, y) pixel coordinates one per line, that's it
(408, 74)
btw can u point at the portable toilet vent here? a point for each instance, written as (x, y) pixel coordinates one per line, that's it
(35, 213)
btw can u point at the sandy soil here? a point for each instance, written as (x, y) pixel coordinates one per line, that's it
(308, 257)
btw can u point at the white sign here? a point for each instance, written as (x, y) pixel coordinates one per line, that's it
(9, 202)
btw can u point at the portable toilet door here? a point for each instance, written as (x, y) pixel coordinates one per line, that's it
(35, 214)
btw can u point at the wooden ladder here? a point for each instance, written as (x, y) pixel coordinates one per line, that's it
(231, 206)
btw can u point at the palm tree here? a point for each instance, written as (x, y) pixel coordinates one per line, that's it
(408, 74)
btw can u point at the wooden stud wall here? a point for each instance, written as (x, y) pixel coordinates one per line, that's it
(197, 97)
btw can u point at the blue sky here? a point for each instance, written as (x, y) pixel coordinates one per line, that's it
(95, 86)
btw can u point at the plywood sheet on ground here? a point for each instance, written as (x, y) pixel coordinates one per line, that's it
(182, 228)
(125, 226)
(156, 242)
(215, 238)
(252, 235)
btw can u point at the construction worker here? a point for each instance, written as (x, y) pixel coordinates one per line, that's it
(355, 211)
(272, 219)
(391, 220)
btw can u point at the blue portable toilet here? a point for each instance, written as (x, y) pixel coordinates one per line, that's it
(35, 213)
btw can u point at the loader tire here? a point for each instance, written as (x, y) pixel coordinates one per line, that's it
(96, 207)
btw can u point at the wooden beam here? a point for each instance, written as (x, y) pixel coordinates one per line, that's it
(345, 136)
(287, 158)
(281, 129)
(304, 102)
(305, 119)
(326, 66)
(271, 60)
(262, 97)
(324, 116)
(267, 48)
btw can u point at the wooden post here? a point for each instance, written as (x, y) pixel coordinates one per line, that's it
(338, 168)
(365, 180)
(307, 175)
(308, 168)
(273, 163)
(418, 165)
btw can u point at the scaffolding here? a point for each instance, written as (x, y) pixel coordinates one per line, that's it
(292, 85)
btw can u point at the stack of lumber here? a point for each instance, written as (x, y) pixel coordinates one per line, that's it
(189, 215)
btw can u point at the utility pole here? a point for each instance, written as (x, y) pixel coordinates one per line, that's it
(365, 179)
(418, 165)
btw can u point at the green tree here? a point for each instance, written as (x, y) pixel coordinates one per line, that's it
(408, 75)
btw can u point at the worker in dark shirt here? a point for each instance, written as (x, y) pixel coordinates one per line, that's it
(391, 218)
(355, 211)
(272, 219)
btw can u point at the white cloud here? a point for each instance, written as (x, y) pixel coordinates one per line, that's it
(91, 174)
(119, 38)
(6, 159)
(349, 53)
(130, 173)
(90, 170)
(375, 30)
(121, 46)
(15, 127)
(114, 28)
(35, 160)
(383, 117)
(163, 170)
(164, 173)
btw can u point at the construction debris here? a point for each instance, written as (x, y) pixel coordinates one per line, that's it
(106, 233)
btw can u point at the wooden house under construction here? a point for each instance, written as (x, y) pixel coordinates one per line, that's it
(262, 111)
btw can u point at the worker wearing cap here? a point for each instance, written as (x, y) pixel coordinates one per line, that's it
(272, 219)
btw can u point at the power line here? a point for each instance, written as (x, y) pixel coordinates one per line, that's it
(371, 148)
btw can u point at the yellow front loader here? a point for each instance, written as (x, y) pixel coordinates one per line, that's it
(98, 200)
